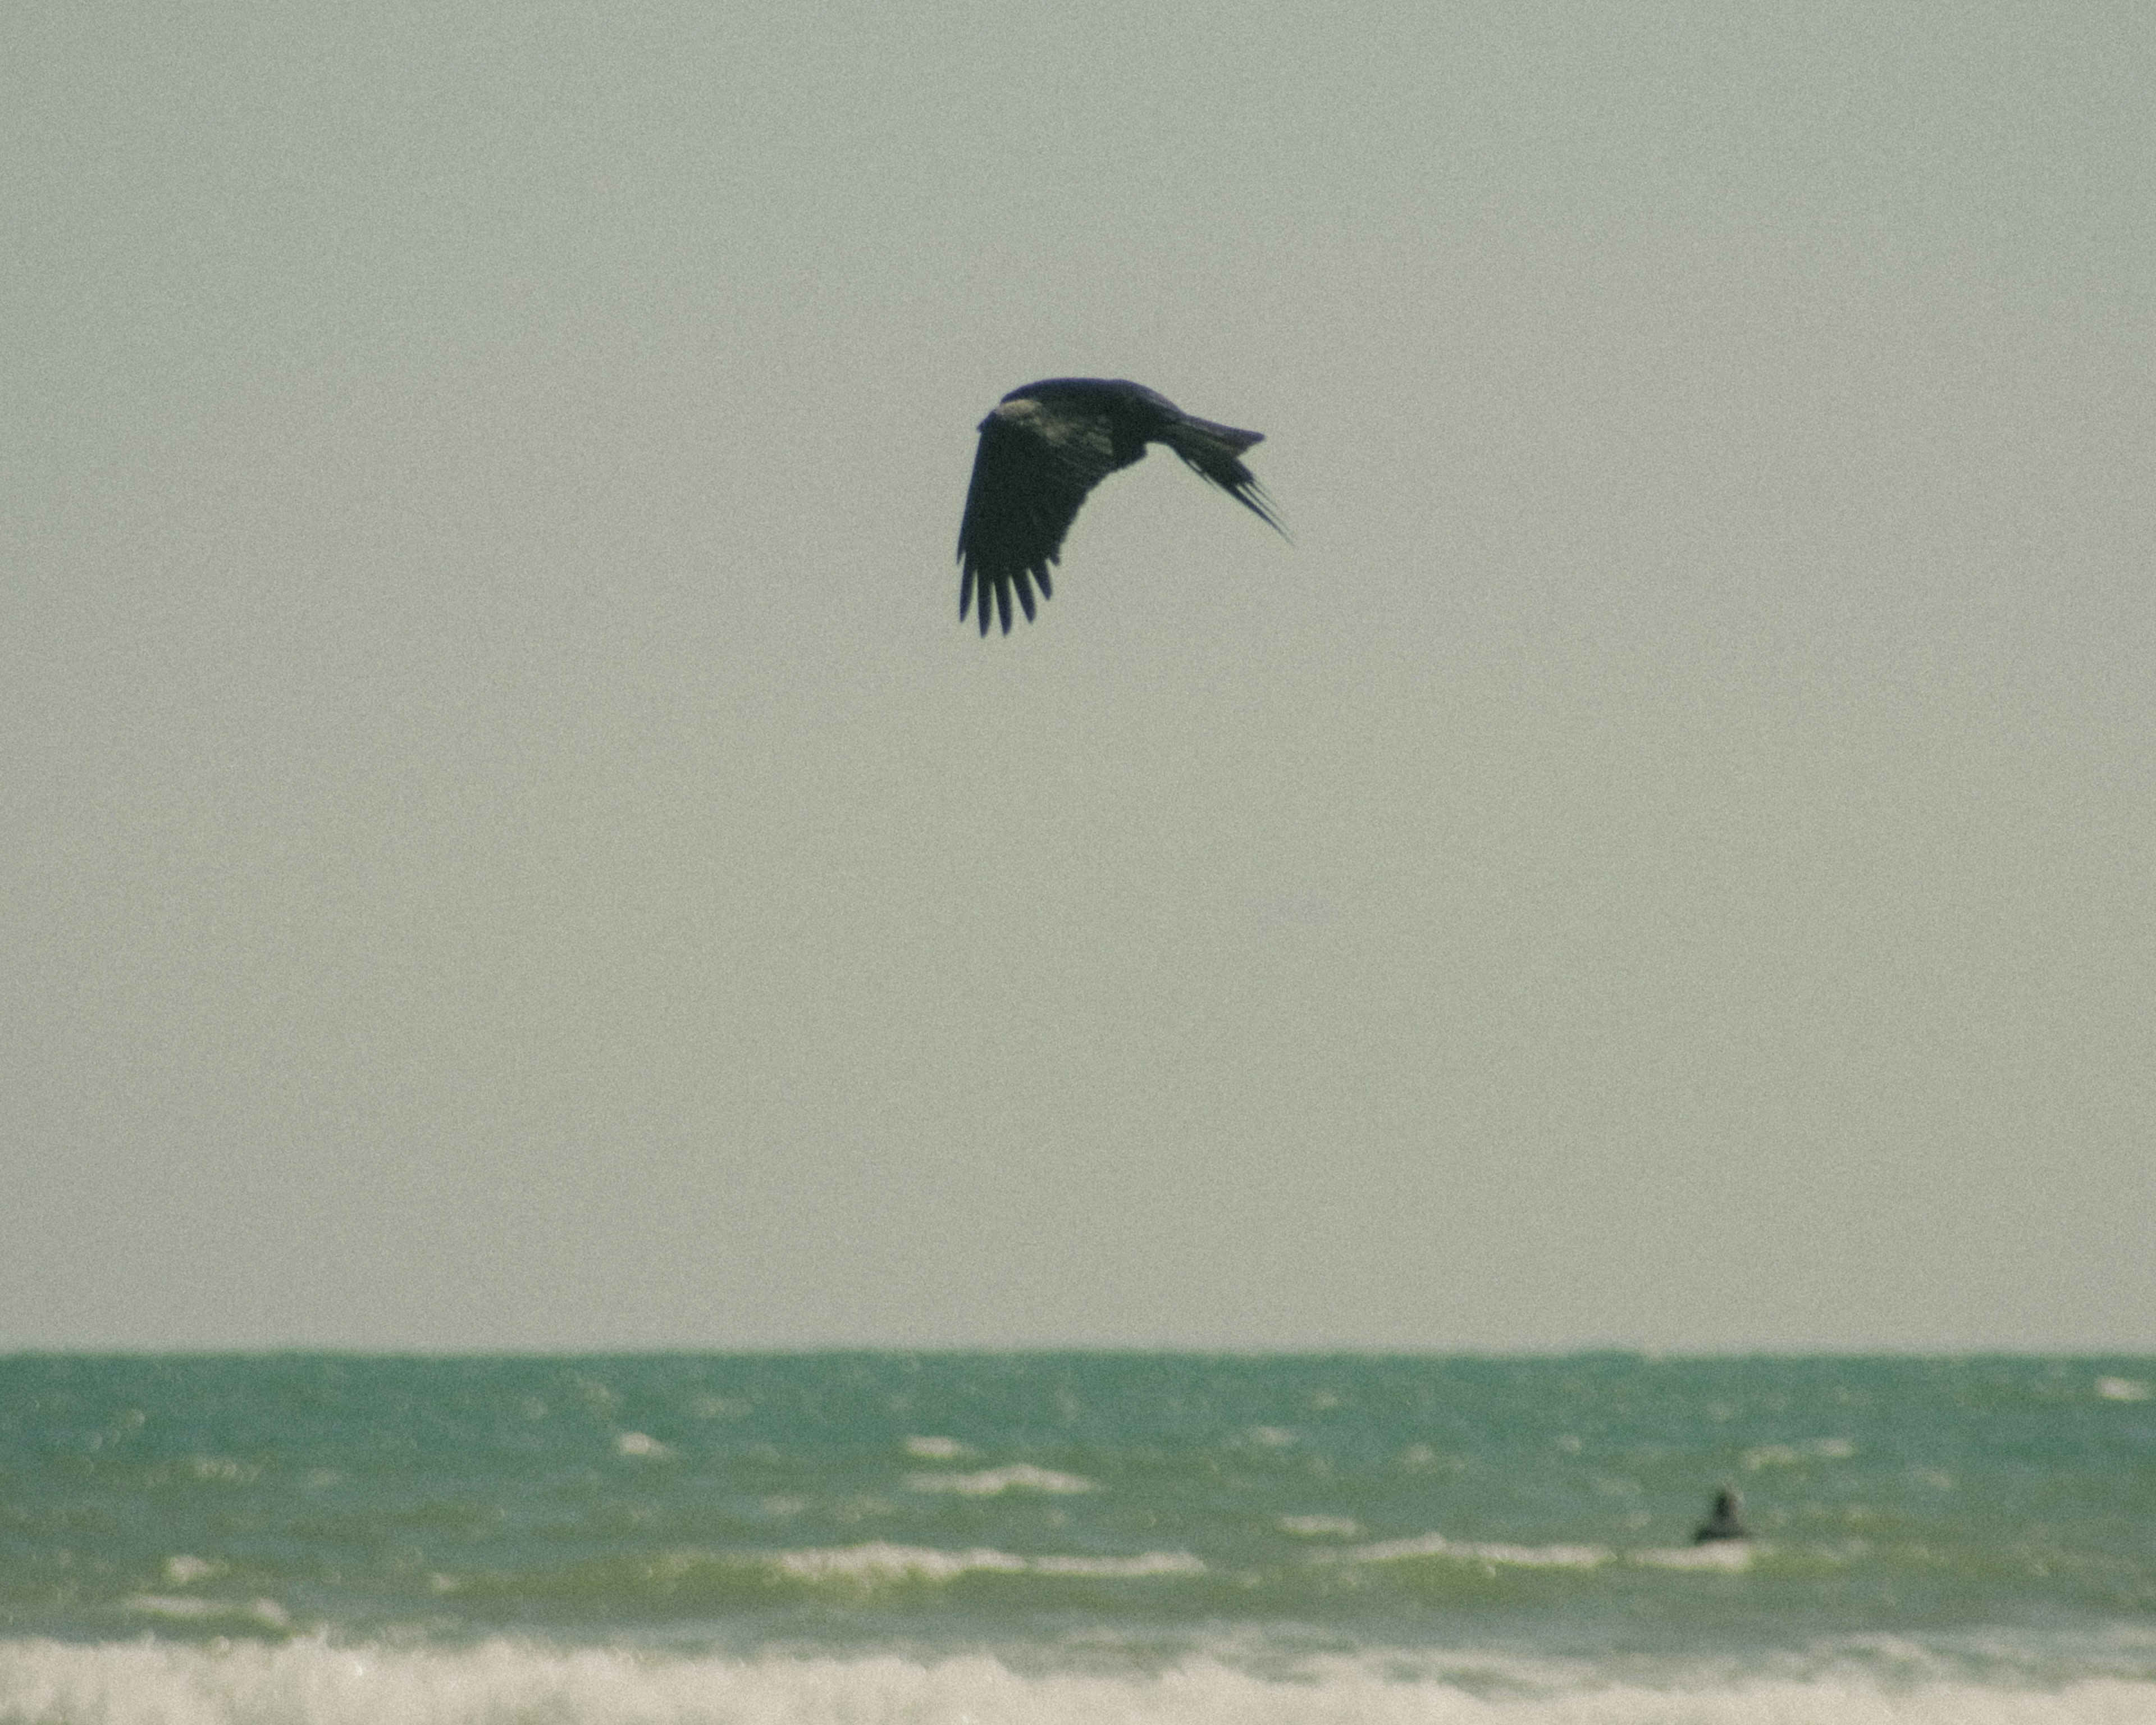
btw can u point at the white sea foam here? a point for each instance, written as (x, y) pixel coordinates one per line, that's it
(1150, 1563)
(2121, 1389)
(879, 1561)
(181, 1568)
(1526, 1557)
(1722, 1555)
(217, 1467)
(185, 1608)
(1715, 1554)
(507, 1682)
(639, 1443)
(1321, 1527)
(936, 1449)
(1020, 1477)
(1828, 1449)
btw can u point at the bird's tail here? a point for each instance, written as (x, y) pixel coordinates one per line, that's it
(1214, 452)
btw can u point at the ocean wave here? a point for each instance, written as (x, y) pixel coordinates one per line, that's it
(1321, 1527)
(994, 1482)
(505, 1682)
(1525, 1557)
(879, 1561)
(181, 1568)
(1150, 1563)
(1715, 1554)
(1722, 1554)
(184, 1608)
(1796, 1455)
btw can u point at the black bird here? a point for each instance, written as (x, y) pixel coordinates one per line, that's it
(1044, 447)
(1726, 1522)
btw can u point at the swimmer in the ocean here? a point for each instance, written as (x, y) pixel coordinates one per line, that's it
(1728, 1520)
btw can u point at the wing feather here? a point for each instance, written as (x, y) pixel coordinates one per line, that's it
(1035, 464)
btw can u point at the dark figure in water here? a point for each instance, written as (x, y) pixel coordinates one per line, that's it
(1728, 1520)
(1044, 447)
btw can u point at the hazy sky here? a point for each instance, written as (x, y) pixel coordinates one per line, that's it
(508, 843)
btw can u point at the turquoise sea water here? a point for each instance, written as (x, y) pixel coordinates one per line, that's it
(872, 1537)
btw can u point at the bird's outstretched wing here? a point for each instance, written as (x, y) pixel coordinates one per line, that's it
(1036, 462)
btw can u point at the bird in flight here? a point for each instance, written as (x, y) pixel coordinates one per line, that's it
(1045, 446)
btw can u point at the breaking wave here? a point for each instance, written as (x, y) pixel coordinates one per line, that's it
(512, 1682)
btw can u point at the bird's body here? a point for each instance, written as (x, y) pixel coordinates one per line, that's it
(1726, 1522)
(1045, 446)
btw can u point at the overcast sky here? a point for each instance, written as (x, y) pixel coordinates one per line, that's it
(508, 843)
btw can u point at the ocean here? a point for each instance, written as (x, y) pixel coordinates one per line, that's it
(947, 1539)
